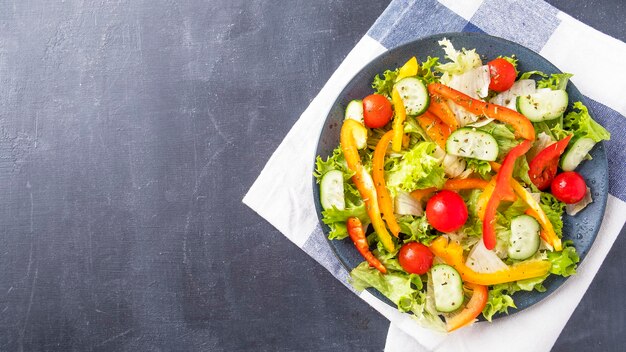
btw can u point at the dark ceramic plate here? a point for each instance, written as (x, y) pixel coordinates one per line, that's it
(581, 229)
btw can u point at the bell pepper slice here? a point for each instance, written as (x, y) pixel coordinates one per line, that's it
(538, 213)
(362, 180)
(436, 130)
(420, 194)
(357, 235)
(472, 310)
(502, 192)
(409, 69)
(484, 197)
(439, 107)
(465, 183)
(452, 254)
(542, 168)
(522, 126)
(398, 120)
(378, 174)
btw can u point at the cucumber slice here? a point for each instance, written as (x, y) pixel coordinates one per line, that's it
(354, 110)
(448, 288)
(524, 241)
(414, 95)
(576, 153)
(472, 143)
(543, 105)
(331, 190)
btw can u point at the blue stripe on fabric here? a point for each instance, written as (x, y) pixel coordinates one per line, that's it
(529, 22)
(615, 123)
(404, 21)
(470, 27)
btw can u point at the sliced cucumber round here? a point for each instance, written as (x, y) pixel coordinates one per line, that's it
(543, 105)
(354, 110)
(414, 95)
(472, 143)
(331, 190)
(524, 241)
(576, 153)
(448, 288)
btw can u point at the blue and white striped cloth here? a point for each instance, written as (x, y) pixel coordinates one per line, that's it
(282, 194)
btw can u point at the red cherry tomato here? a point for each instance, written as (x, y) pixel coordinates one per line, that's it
(415, 258)
(502, 74)
(543, 166)
(376, 111)
(446, 211)
(569, 187)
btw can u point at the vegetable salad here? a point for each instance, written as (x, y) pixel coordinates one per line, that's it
(452, 178)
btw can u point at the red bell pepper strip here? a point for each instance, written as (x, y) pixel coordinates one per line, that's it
(542, 168)
(502, 191)
(472, 310)
(434, 128)
(357, 235)
(362, 180)
(378, 174)
(439, 107)
(522, 125)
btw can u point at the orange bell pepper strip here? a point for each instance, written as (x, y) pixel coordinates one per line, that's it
(378, 174)
(408, 69)
(538, 213)
(420, 194)
(503, 191)
(398, 120)
(362, 180)
(452, 254)
(434, 128)
(440, 108)
(465, 183)
(472, 310)
(522, 125)
(357, 235)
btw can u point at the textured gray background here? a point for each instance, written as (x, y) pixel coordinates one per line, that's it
(130, 131)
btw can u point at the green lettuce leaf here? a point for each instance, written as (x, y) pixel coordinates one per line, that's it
(554, 211)
(527, 75)
(336, 220)
(426, 70)
(503, 135)
(383, 85)
(564, 263)
(556, 81)
(417, 228)
(499, 300)
(580, 122)
(335, 161)
(481, 167)
(418, 168)
(460, 60)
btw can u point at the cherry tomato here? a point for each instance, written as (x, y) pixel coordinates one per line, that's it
(502, 74)
(446, 211)
(569, 187)
(415, 258)
(376, 111)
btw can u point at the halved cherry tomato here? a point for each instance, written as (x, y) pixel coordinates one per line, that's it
(502, 74)
(446, 211)
(415, 258)
(569, 187)
(377, 111)
(542, 168)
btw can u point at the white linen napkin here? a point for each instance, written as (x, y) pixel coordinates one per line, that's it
(283, 195)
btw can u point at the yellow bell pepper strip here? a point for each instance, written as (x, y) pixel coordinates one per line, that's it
(440, 108)
(452, 254)
(484, 197)
(472, 310)
(503, 191)
(436, 130)
(495, 166)
(398, 120)
(378, 174)
(538, 213)
(522, 125)
(465, 183)
(362, 180)
(409, 69)
(357, 235)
